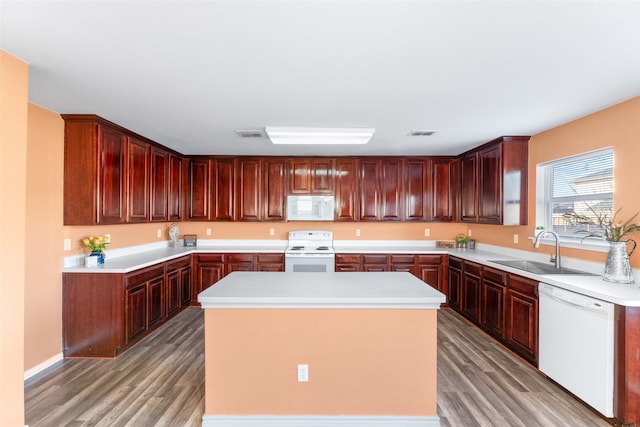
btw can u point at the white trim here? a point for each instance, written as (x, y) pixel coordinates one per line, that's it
(317, 421)
(42, 366)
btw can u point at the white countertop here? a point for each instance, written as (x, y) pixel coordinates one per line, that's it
(379, 290)
(593, 286)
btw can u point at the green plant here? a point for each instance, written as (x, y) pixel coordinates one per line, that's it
(609, 229)
(461, 238)
(95, 243)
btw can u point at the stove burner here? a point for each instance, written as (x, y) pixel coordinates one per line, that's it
(322, 248)
(296, 248)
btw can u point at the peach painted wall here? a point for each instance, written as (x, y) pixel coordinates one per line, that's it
(43, 281)
(13, 167)
(361, 362)
(618, 127)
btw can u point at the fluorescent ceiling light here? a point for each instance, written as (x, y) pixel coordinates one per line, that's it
(320, 136)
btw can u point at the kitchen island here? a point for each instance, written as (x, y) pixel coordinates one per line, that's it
(320, 349)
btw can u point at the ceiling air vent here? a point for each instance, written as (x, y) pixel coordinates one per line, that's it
(421, 132)
(250, 133)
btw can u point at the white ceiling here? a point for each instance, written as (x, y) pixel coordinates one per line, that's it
(187, 74)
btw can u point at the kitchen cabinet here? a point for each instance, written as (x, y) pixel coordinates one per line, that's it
(432, 269)
(350, 262)
(492, 300)
(199, 189)
(144, 301)
(175, 203)
(209, 269)
(137, 167)
(275, 184)
(249, 190)
(494, 182)
(380, 182)
(311, 176)
(270, 262)
(402, 262)
(224, 184)
(239, 262)
(179, 284)
(443, 189)
(454, 282)
(346, 183)
(159, 177)
(374, 262)
(470, 291)
(416, 189)
(522, 317)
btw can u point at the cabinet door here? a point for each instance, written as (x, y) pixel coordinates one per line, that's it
(442, 196)
(224, 185)
(156, 301)
(159, 184)
(275, 183)
(369, 180)
(454, 287)
(300, 179)
(402, 263)
(470, 301)
(322, 176)
(522, 317)
(138, 180)
(136, 312)
(270, 262)
(468, 189)
(239, 262)
(186, 286)
(492, 300)
(175, 197)
(209, 269)
(416, 193)
(348, 262)
(249, 186)
(490, 186)
(373, 262)
(111, 176)
(391, 190)
(199, 189)
(346, 189)
(173, 292)
(431, 270)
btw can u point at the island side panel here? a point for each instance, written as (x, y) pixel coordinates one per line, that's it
(361, 362)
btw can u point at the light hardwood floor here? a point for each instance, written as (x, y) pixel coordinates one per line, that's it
(160, 382)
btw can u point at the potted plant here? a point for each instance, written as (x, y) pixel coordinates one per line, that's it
(539, 229)
(461, 241)
(97, 245)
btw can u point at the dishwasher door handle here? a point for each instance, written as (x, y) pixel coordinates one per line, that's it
(572, 298)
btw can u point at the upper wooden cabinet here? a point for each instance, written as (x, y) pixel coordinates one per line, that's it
(311, 176)
(274, 194)
(249, 190)
(137, 167)
(444, 189)
(417, 183)
(199, 189)
(176, 186)
(381, 184)
(346, 182)
(494, 182)
(224, 188)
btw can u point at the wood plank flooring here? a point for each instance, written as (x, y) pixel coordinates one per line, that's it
(160, 382)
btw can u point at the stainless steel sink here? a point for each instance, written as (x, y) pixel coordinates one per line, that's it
(538, 267)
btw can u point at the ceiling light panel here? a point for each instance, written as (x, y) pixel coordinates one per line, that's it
(319, 136)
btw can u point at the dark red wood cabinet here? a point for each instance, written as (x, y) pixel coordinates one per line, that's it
(311, 176)
(200, 189)
(470, 291)
(443, 189)
(381, 189)
(469, 188)
(522, 317)
(274, 192)
(346, 194)
(492, 301)
(455, 282)
(137, 166)
(417, 184)
(224, 189)
(176, 186)
(159, 175)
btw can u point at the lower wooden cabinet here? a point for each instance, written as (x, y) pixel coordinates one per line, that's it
(350, 262)
(179, 284)
(209, 269)
(270, 262)
(502, 304)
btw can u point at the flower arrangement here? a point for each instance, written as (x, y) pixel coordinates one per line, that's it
(610, 229)
(95, 243)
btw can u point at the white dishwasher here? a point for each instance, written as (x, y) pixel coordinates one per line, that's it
(576, 344)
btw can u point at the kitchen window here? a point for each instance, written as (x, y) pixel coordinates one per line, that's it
(572, 193)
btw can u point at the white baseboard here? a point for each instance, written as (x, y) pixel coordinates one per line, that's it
(42, 366)
(317, 421)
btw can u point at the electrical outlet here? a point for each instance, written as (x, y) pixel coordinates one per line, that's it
(272, 231)
(357, 232)
(515, 238)
(469, 232)
(208, 232)
(67, 244)
(427, 232)
(108, 237)
(303, 373)
(159, 232)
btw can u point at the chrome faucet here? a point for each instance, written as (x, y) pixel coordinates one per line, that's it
(556, 259)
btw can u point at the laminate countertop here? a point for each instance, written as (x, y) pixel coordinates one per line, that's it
(377, 290)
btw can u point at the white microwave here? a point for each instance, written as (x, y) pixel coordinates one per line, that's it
(310, 208)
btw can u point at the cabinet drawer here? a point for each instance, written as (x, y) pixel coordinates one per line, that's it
(496, 276)
(209, 258)
(268, 258)
(523, 285)
(178, 263)
(144, 275)
(239, 258)
(455, 263)
(401, 259)
(472, 268)
(375, 259)
(430, 259)
(348, 258)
